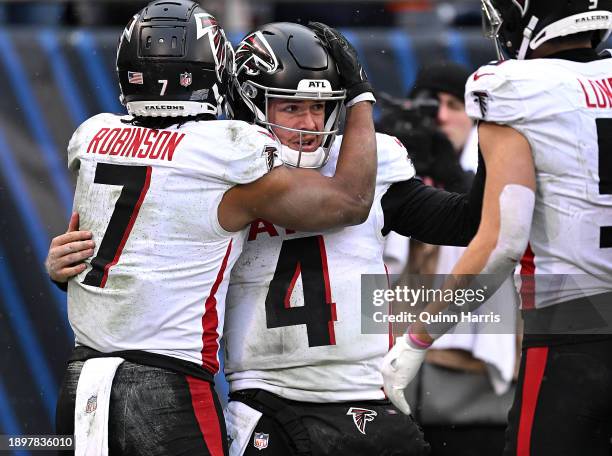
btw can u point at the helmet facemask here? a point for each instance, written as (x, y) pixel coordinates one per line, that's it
(333, 100)
(491, 24)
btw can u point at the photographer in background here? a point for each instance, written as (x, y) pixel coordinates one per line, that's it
(445, 82)
(434, 128)
(464, 389)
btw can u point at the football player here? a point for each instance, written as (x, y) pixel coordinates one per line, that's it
(166, 192)
(303, 377)
(545, 114)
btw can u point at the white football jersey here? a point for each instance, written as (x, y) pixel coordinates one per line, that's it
(293, 322)
(158, 278)
(564, 109)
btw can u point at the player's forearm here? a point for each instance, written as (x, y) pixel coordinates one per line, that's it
(300, 199)
(356, 169)
(318, 206)
(471, 263)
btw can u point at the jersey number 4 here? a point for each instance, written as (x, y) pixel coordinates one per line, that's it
(604, 138)
(135, 181)
(303, 257)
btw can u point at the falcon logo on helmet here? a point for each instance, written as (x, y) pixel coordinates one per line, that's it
(127, 32)
(255, 54)
(206, 24)
(523, 5)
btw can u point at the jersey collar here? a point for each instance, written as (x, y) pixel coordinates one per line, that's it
(578, 55)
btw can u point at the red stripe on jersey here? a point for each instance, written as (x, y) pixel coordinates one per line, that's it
(210, 321)
(528, 279)
(298, 271)
(328, 299)
(390, 311)
(535, 365)
(128, 228)
(268, 134)
(206, 414)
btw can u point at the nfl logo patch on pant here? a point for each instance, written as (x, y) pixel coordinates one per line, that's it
(260, 440)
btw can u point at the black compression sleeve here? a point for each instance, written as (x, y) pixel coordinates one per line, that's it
(434, 216)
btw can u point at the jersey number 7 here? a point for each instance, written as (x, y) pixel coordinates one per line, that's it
(135, 181)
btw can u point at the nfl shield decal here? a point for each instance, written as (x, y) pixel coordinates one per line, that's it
(185, 79)
(260, 440)
(92, 404)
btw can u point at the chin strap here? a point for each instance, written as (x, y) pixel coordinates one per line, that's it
(299, 159)
(527, 34)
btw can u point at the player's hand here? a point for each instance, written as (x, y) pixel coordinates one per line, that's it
(353, 78)
(399, 368)
(67, 252)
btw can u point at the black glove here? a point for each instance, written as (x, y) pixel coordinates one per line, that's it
(434, 156)
(352, 76)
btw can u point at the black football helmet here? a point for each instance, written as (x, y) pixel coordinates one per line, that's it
(286, 60)
(520, 26)
(173, 60)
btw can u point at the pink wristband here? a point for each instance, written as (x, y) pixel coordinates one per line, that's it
(417, 342)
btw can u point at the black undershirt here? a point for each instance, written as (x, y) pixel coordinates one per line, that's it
(431, 215)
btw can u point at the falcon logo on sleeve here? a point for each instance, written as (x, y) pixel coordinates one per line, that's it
(483, 99)
(270, 153)
(361, 416)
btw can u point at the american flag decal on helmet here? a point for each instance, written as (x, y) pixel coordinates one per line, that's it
(135, 77)
(361, 416)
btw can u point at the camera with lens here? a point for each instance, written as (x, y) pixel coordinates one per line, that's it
(401, 115)
(414, 123)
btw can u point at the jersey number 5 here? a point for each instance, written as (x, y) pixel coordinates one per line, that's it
(303, 257)
(135, 181)
(604, 138)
